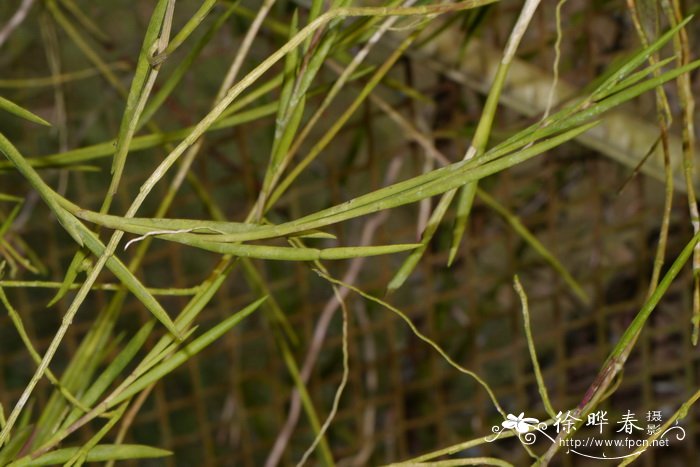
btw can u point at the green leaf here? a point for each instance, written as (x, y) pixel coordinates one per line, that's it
(535, 244)
(464, 207)
(182, 68)
(11, 449)
(83, 236)
(85, 21)
(100, 453)
(642, 56)
(84, 45)
(638, 322)
(129, 280)
(75, 266)
(21, 112)
(19, 202)
(288, 117)
(106, 149)
(112, 371)
(189, 27)
(296, 254)
(186, 353)
(137, 92)
(143, 225)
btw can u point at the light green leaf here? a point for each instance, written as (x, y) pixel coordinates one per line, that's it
(100, 453)
(112, 371)
(186, 353)
(21, 112)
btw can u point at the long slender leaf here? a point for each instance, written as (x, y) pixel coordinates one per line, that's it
(186, 31)
(182, 68)
(186, 353)
(100, 453)
(112, 371)
(83, 236)
(398, 194)
(11, 107)
(131, 114)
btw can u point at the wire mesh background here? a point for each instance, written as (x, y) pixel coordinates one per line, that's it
(227, 405)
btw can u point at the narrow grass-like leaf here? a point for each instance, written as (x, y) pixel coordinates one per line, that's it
(528, 237)
(185, 32)
(288, 117)
(398, 194)
(14, 256)
(112, 287)
(129, 280)
(139, 90)
(80, 456)
(276, 315)
(142, 226)
(144, 142)
(483, 129)
(306, 401)
(19, 202)
(11, 107)
(464, 208)
(292, 254)
(182, 68)
(314, 12)
(411, 262)
(291, 65)
(638, 322)
(83, 236)
(10, 198)
(112, 371)
(637, 59)
(154, 357)
(24, 337)
(636, 77)
(9, 451)
(77, 264)
(195, 305)
(100, 453)
(617, 357)
(26, 416)
(186, 353)
(314, 64)
(67, 77)
(84, 46)
(85, 21)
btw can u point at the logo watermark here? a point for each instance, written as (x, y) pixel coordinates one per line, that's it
(625, 433)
